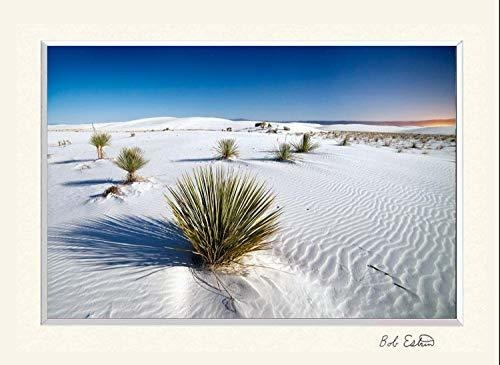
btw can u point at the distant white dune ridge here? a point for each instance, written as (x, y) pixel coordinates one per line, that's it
(215, 124)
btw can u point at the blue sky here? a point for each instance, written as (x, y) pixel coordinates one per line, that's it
(98, 84)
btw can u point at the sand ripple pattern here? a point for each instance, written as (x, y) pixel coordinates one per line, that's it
(366, 233)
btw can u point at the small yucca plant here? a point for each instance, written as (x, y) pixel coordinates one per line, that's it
(284, 152)
(305, 144)
(131, 159)
(100, 140)
(226, 149)
(344, 142)
(224, 214)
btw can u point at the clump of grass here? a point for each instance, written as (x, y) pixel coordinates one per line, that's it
(224, 214)
(226, 149)
(100, 140)
(131, 159)
(284, 152)
(305, 144)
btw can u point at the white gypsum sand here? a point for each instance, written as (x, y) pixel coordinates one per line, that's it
(366, 232)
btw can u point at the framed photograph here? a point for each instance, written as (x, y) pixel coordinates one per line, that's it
(252, 182)
(265, 182)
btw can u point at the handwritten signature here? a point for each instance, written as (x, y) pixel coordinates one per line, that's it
(422, 340)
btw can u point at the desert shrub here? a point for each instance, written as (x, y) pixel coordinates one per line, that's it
(224, 214)
(284, 152)
(305, 144)
(344, 141)
(100, 140)
(113, 189)
(131, 159)
(226, 148)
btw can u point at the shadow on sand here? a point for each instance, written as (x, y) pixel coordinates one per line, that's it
(197, 159)
(146, 244)
(127, 241)
(71, 161)
(91, 182)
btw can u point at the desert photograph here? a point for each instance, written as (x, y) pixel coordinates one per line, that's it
(251, 182)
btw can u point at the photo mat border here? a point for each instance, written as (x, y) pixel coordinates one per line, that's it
(458, 321)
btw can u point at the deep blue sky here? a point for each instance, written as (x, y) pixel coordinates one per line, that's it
(98, 84)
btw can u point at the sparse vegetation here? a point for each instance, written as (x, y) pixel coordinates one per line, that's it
(224, 214)
(284, 152)
(226, 149)
(63, 143)
(131, 159)
(100, 140)
(305, 144)
(344, 142)
(113, 189)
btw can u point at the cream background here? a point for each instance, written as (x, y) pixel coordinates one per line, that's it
(25, 25)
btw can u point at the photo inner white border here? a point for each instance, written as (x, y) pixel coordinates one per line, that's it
(458, 321)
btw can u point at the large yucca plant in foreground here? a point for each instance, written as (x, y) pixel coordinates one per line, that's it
(305, 144)
(226, 148)
(131, 159)
(224, 214)
(100, 140)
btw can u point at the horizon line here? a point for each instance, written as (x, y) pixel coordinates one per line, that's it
(278, 121)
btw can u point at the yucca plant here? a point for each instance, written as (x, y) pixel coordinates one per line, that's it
(305, 144)
(131, 159)
(284, 152)
(344, 141)
(100, 140)
(224, 214)
(226, 148)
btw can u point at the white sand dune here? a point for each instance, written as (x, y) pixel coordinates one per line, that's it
(449, 130)
(217, 124)
(366, 232)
